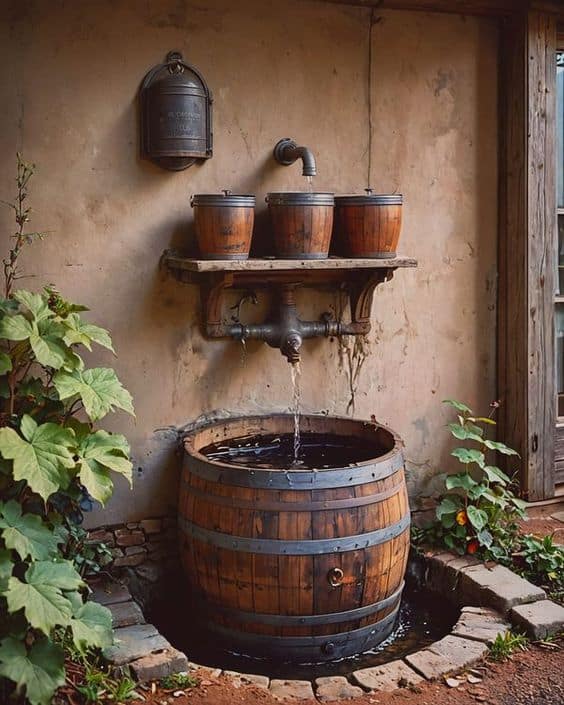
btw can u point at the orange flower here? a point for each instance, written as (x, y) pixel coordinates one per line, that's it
(462, 517)
(473, 546)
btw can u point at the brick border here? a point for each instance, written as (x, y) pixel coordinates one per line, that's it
(492, 599)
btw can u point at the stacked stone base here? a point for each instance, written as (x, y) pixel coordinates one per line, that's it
(492, 600)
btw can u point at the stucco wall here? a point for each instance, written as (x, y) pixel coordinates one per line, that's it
(70, 71)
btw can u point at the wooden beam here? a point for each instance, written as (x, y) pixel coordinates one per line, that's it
(526, 246)
(463, 7)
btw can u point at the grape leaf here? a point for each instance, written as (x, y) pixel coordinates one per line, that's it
(100, 452)
(35, 303)
(26, 534)
(99, 389)
(80, 332)
(15, 328)
(91, 625)
(41, 595)
(42, 458)
(40, 670)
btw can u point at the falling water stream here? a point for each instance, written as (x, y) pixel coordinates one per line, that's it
(296, 372)
(309, 180)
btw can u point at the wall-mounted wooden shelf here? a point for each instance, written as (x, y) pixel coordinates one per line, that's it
(358, 277)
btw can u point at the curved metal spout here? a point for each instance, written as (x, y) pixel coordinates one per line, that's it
(286, 152)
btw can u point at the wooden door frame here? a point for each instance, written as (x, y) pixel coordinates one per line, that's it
(526, 256)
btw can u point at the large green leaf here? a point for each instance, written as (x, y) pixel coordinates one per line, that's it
(40, 670)
(45, 606)
(494, 474)
(48, 345)
(35, 303)
(5, 363)
(469, 455)
(464, 433)
(477, 517)
(26, 534)
(462, 480)
(80, 332)
(41, 595)
(100, 452)
(6, 567)
(501, 447)
(99, 389)
(448, 505)
(15, 328)
(91, 625)
(42, 458)
(458, 405)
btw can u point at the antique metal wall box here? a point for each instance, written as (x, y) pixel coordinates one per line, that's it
(176, 115)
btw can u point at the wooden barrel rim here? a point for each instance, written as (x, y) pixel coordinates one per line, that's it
(359, 473)
(307, 547)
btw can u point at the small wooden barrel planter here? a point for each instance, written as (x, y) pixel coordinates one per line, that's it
(302, 223)
(224, 225)
(370, 225)
(306, 566)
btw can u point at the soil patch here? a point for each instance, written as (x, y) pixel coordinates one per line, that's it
(535, 677)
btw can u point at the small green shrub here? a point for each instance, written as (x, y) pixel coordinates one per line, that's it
(178, 680)
(54, 463)
(479, 512)
(541, 561)
(507, 644)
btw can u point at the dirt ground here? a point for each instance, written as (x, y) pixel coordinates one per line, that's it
(534, 677)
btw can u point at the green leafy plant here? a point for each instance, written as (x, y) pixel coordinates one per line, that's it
(541, 561)
(88, 557)
(479, 511)
(178, 680)
(505, 645)
(53, 464)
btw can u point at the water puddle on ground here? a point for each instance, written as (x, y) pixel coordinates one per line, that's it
(423, 618)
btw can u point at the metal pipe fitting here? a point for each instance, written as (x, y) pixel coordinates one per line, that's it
(288, 332)
(287, 151)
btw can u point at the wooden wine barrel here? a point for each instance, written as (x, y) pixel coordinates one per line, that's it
(302, 223)
(300, 565)
(369, 226)
(224, 225)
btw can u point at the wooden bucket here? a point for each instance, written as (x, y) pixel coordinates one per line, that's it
(301, 565)
(224, 225)
(369, 226)
(302, 223)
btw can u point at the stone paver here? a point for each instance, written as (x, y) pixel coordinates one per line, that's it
(205, 671)
(497, 587)
(291, 690)
(336, 688)
(159, 665)
(443, 573)
(125, 614)
(110, 593)
(388, 677)
(133, 643)
(447, 655)
(559, 516)
(249, 678)
(480, 623)
(539, 619)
